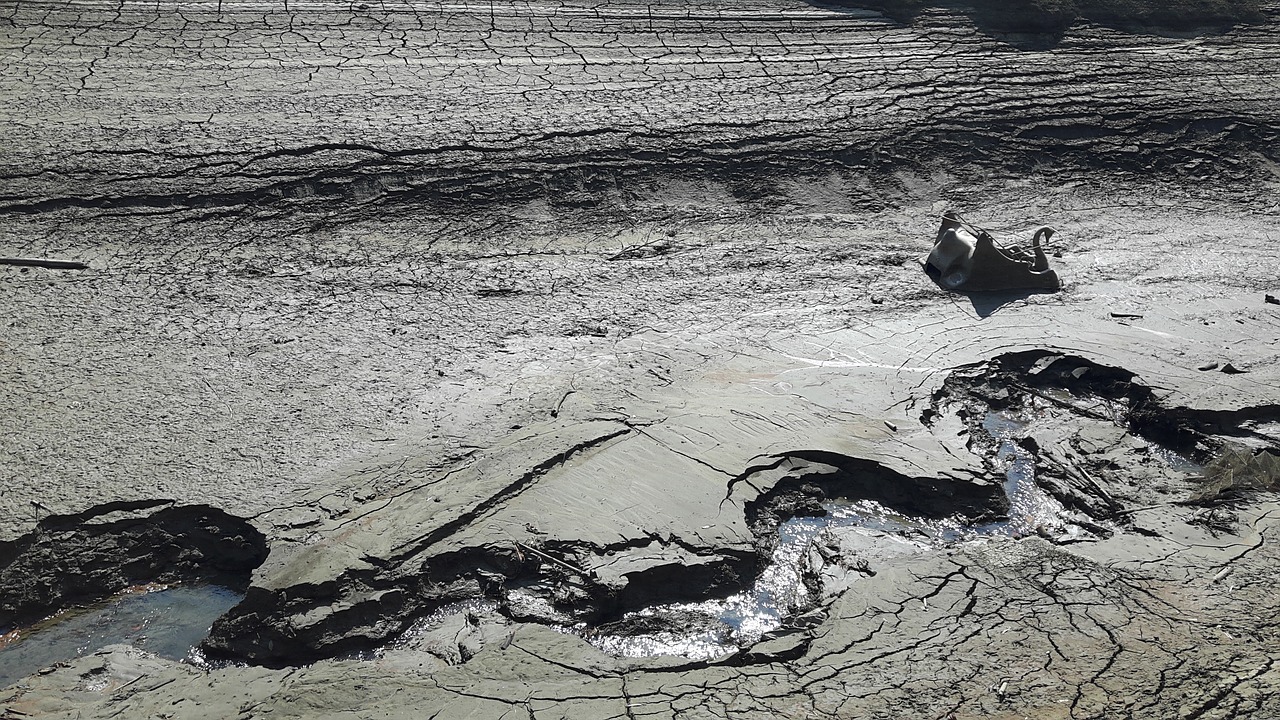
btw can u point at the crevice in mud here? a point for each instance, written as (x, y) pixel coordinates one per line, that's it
(70, 560)
(1093, 390)
(816, 477)
(367, 609)
(824, 522)
(535, 472)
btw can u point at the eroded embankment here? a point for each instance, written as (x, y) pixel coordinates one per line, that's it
(1106, 445)
(1093, 439)
(562, 579)
(71, 560)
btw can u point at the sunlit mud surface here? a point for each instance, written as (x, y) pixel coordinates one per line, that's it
(168, 622)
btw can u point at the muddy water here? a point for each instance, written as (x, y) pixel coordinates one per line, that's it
(1030, 508)
(167, 621)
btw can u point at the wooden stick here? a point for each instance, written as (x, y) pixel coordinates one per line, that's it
(548, 558)
(44, 263)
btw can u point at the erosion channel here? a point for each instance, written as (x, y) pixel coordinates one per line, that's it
(576, 360)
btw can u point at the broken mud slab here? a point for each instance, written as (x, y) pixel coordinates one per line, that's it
(1102, 442)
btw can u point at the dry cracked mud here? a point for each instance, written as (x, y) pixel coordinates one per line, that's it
(572, 359)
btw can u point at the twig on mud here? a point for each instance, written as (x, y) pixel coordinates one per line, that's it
(555, 561)
(44, 263)
(131, 682)
(1076, 473)
(1063, 403)
(652, 248)
(1135, 510)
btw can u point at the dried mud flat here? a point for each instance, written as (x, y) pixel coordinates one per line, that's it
(551, 314)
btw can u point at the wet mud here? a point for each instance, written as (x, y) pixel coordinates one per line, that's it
(577, 360)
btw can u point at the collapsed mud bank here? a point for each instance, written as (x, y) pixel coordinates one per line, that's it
(677, 528)
(548, 574)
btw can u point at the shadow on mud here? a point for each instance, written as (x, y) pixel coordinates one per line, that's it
(1041, 25)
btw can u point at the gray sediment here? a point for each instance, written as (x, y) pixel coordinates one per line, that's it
(487, 349)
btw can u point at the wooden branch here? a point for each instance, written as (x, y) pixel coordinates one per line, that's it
(44, 263)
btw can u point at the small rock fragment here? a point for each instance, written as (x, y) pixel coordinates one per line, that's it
(1272, 300)
(1208, 366)
(1232, 369)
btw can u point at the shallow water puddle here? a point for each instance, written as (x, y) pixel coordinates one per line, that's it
(1030, 508)
(167, 621)
(716, 627)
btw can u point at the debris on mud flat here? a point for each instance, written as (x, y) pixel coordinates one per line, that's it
(1238, 470)
(965, 258)
(47, 263)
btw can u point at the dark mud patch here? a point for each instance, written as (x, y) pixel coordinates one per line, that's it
(1053, 17)
(80, 559)
(1237, 472)
(1082, 388)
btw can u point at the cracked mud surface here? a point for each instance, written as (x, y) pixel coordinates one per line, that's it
(496, 320)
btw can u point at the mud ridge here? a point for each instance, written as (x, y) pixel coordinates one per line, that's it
(580, 180)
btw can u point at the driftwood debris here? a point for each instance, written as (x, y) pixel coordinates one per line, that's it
(965, 258)
(44, 263)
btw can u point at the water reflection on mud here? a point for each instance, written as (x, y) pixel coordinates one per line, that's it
(166, 621)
